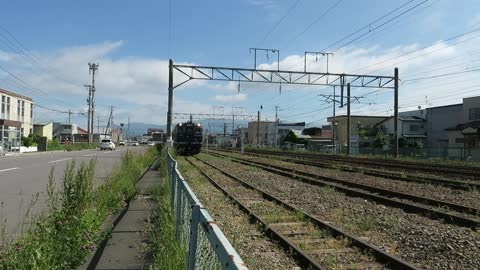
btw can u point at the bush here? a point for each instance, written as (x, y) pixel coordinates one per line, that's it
(72, 226)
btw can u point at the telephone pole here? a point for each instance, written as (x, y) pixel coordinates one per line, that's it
(349, 128)
(69, 115)
(92, 68)
(89, 119)
(276, 126)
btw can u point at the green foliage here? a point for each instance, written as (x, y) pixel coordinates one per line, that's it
(72, 226)
(167, 251)
(381, 140)
(292, 138)
(55, 145)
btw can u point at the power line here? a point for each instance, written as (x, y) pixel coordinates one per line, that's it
(377, 27)
(327, 11)
(290, 9)
(442, 75)
(22, 50)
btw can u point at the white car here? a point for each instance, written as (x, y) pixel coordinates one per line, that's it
(151, 143)
(107, 144)
(134, 143)
(121, 143)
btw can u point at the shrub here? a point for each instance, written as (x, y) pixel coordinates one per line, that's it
(71, 228)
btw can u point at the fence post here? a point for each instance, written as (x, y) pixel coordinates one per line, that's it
(192, 250)
(172, 190)
(179, 207)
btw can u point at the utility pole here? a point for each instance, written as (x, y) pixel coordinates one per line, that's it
(333, 123)
(128, 128)
(170, 103)
(349, 128)
(233, 124)
(258, 129)
(396, 112)
(89, 119)
(98, 124)
(69, 115)
(92, 68)
(276, 127)
(111, 121)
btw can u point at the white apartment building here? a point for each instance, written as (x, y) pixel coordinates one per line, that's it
(16, 120)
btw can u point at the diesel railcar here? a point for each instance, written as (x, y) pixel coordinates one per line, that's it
(187, 138)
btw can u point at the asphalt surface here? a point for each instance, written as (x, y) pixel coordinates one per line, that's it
(25, 177)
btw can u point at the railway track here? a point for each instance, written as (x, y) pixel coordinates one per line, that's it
(449, 212)
(315, 243)
(450, 170)
(401, 176)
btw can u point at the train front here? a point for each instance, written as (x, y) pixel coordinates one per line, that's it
(188, 138)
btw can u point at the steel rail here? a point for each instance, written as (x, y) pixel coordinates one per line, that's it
(375, 194)
(453, 184)
(380, 255)
(299, 255)
(404, 165)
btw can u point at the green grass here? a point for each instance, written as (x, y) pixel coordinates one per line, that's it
(167, 251)
(71, 227)
(55, 145)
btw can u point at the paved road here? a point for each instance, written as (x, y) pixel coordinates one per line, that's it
(23, 176)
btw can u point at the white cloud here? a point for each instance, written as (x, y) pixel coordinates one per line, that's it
(231, 98)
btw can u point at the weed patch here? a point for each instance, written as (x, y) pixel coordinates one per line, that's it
(72, 225)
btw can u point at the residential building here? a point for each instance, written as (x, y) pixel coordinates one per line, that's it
(44, 130)
(261, 133)
(357, 123)
(16, 119)
(410, 128)
(319, 136)
(64, 132)
(283, 129)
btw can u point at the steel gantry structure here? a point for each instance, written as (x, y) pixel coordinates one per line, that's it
(254, 75)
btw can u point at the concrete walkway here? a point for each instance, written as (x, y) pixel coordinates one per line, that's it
(126, 247)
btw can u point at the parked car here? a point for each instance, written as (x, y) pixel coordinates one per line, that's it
(151, 143)
(134, 143)
(107, 144)
(121, 143)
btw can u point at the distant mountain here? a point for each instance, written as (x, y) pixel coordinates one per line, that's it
(138, 129)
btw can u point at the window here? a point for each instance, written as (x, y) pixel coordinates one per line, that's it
(474, 114)
(18, 109)
(23, 111)
(3, 108)
(7, 113)
(31, 112)
(414, 127)
(459, 140)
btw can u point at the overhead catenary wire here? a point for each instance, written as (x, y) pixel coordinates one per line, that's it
(289, 10)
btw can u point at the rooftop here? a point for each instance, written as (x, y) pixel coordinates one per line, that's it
(6, 92)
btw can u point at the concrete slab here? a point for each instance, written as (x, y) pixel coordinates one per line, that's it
(144, 188)
(151, 177)
(132, 221)
(123, 251)
(142, 204)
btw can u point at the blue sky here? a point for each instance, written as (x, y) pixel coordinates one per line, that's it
(129, 39)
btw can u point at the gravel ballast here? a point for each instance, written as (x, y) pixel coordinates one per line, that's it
(424, 242)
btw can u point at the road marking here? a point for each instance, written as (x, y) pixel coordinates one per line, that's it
(58, 160)
(9, 169)
(91, 155)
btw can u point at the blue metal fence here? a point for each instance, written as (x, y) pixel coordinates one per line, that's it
(208, 248)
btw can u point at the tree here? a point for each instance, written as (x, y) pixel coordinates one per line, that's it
(381, 140)
(292, 138)
(363, 135)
